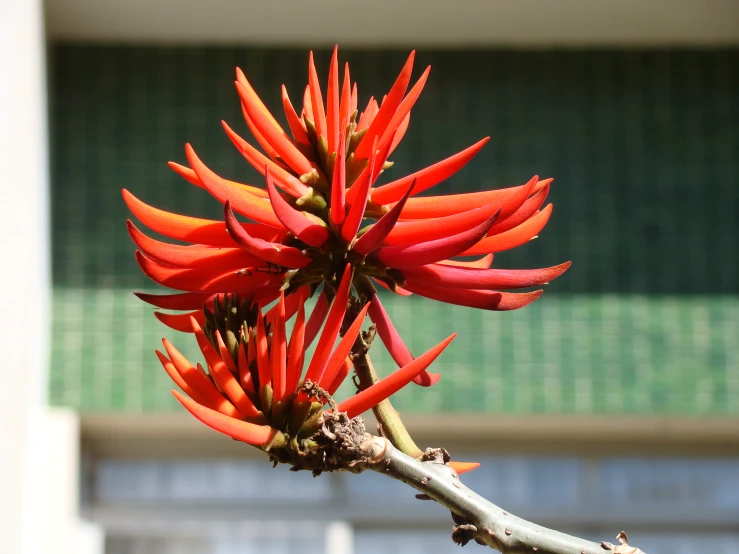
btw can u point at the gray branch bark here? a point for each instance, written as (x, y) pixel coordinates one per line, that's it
(477, 518)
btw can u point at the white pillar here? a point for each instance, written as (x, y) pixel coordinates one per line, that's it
(339, 538)
(24, 269)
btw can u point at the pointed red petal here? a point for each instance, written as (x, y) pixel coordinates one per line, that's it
(245, 377)
(432, 251)
(400, 291)
(263, 361)
(391, 384)
(404, 109)
(359, 200)
(274, 136)
(367, 115)
(373, 238)
(512, 238)
(388, 109)
(316, 98)
(338, 187)
(394, 344)
(271, 252)
(225, 378)
(191, 229)
(296, 356)
(240, 430)
(225, 354)
(191, 177)
(180, 322)
(308, 104)
(332, 103)
(423, 230)
(463, 467)
(369, 173)
(317, 316)
(355, 95)
(296, 126)
(205, 391)
(331, 330)
(306, 230)
(487, 279)
(180, 301)
(345, 107)
(279, 351)
(442, 206)
(346, 367)
(245, 203)
(483, 263)
(335, 363)
(191, 257)
(427, 177)
(473, 298)
(528, 210)
(174, 374)
(286, 181)
(400, 133)
(263, 142)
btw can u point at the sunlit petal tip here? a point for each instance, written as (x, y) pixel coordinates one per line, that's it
(250, 433)
(463, 467)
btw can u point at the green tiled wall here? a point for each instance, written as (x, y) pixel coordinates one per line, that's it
(643, 146)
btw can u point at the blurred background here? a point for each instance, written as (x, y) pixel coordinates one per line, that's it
(611, 403)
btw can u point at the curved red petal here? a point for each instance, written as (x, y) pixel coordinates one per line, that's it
(317, 316)
(179, 301)
(335, 363)
(296, 351)
(293, 121)
(387, 110)
(433, 251)
(402, 114)
(316, 98)
(513, 237)
(427, 177)
(473, 298)
(174, 374)
(250, 433)
(375, 236)
(271, 252)
(391, 384)
(298, 224)
(453, 277)
(332, 103)
(180, 322)
(483, 263)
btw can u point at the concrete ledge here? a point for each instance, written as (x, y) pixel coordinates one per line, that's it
(175, 435)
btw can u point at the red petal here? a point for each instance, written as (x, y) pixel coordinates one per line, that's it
(296, 356)
(287, 182)
(308, 104)
(220, 372)
(394, 344)
(389, 106)
(404, 109)
(483, 299)
(191, 229)
(367, 115)
(345, 108)
(400, 291)
(316, 98)
(263, 361)
(278, 355)
(512, 238)
(423, 230)
(463, 467)
(296, 126)
(245, 203)
(316, 319)
(483, 263)
(245, 377)
(400, 133)
(183, 301)
(427, 177)
(529, 209)
(309, 232)
(374, 237)
(338, 186)
(373, 395)
(240, 430)
(358, 195)
(205, 391)
(191, 177)
(355, 94)
(346, 367)
(453, 277)
(331, 330)
(174, 374)
(335, 363)
(434, 250)
(271, 252)
(180, 322)
(224, 353)
(191, 257)
(264, 143)
(442, 206)
(275, 136)
(332, 103)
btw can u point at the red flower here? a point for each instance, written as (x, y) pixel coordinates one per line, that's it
(306, 223)
(252, 390)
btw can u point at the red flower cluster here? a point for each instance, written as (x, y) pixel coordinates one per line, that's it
(306, 230)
